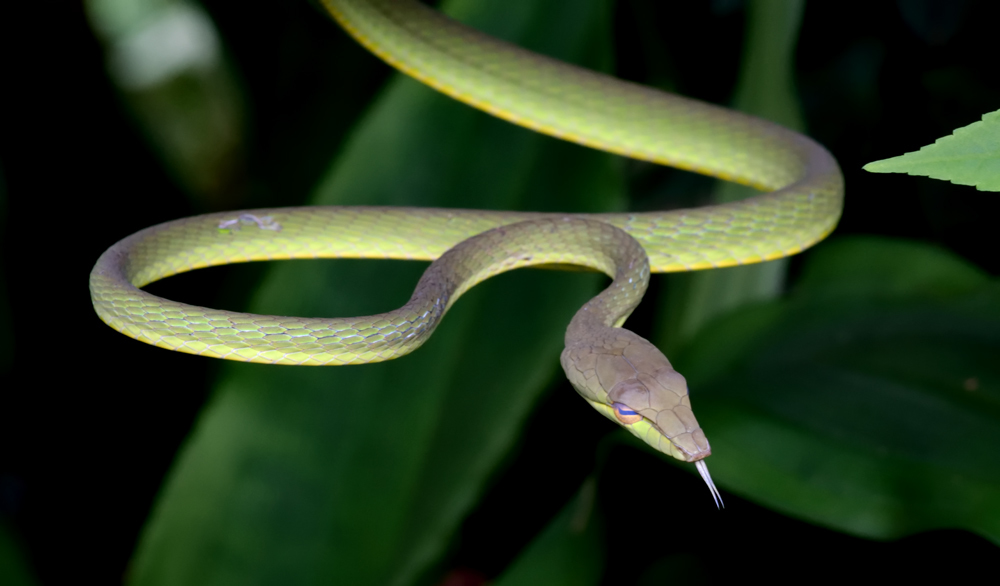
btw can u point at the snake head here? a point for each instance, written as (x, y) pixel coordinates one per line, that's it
(657, 409)
(629, 381)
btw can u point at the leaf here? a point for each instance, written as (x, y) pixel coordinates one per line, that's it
(970, 156)
(874, 412)
(874, 266)
(361, 475)
(569, 552)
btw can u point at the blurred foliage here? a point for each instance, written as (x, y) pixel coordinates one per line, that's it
(13, 571)
(864, 401)
(570, 551)
(168, 64)
(869, 399)
(969, 156)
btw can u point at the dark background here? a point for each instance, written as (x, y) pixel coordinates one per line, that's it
(84, 447)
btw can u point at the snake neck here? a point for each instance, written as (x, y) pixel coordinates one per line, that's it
(604, 314)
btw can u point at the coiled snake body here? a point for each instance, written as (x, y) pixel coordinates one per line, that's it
(620, 374)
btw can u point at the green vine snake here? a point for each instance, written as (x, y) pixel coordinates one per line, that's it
(620, 374)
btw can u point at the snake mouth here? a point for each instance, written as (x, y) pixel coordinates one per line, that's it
(672, 431)
(684, 445)
(688, 447)
(693, 444)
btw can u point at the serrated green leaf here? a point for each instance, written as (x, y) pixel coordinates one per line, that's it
(970, 156)
(872, 411)
(569, 552)
(361, 475)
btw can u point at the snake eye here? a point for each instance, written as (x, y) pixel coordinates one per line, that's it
(625, 414)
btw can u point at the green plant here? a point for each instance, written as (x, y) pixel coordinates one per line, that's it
(864, 400)
(970, 156)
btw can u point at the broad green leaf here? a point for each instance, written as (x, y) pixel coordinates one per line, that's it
(872, 411)
(875, 266)
(569, 552)
(361, 475)
(970, 156)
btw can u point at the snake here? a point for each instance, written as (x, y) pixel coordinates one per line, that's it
(623, 376)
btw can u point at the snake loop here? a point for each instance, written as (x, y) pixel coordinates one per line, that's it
(620, 374)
